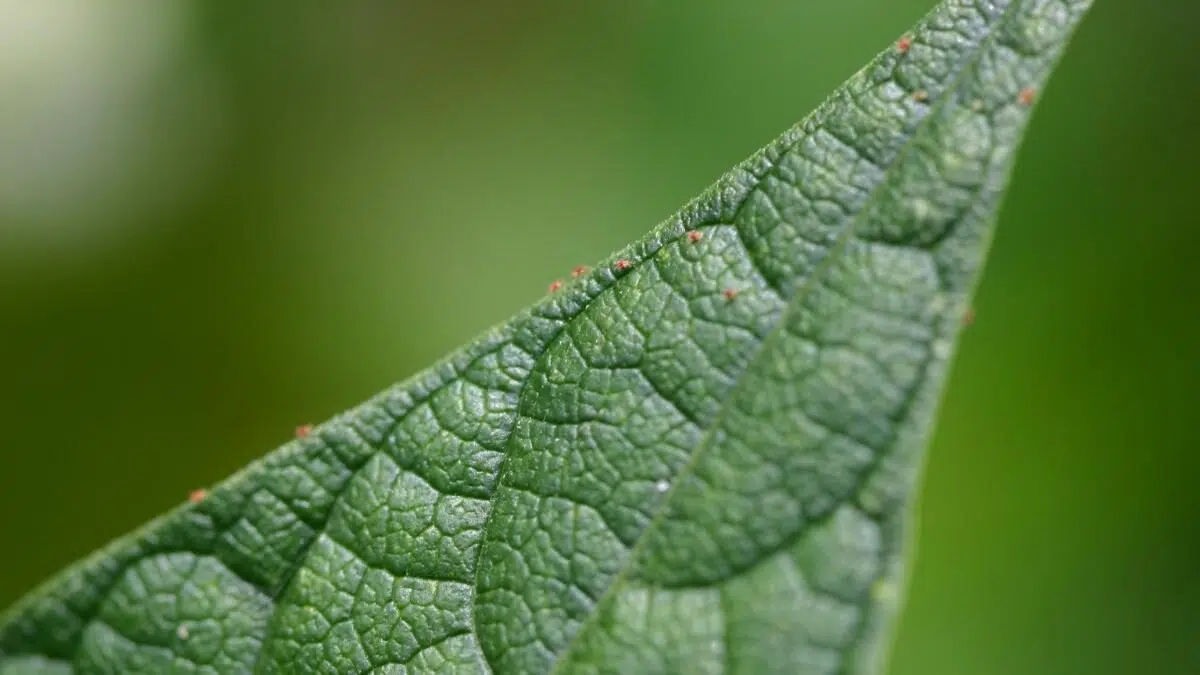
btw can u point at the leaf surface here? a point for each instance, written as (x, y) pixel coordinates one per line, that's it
(697, 458)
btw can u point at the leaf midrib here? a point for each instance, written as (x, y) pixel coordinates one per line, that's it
(793, 306)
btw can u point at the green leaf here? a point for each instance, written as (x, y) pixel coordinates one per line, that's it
(697, 458)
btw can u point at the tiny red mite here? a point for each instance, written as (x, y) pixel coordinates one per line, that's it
(903, 44)
(579, 271)
(556, 286)
(623, 264)
(1025, 97)
(303, 431)
(730, 293)
(695, 236)
(197, 496)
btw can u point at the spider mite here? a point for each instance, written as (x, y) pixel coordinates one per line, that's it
(622, 264)
(579, 271)
(1025, 96)
(556, 286)
(968, 317)
(730, 293)
(695, 236)
(197, 496)
(903, 44)
(303, 431)
(920, 95)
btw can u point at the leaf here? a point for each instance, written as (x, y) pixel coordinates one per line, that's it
(697, 458)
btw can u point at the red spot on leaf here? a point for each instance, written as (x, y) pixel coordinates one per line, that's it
(903, 44)
(623, 264)
(579, 271)
(730, 293)
(556, 286)
(197, 496)
(303, 431)
(695, 236)
(1026, 96)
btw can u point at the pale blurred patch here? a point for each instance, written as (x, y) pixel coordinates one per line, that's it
(106, 116)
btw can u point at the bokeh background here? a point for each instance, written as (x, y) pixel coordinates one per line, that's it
(219, 221)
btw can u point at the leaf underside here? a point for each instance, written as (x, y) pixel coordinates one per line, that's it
(697, 458)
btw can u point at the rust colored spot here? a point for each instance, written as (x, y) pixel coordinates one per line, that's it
(695, 236)
(1025, 97)
(968, 316)
(730, 293)
(556, 286)
(303, 431)
(920, 95)
(903, 44)
(623, 264)
(579, 271)
(197, 496)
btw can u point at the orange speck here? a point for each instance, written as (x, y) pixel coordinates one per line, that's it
(303, 431)
(556, 286)
(695, 236)
(968, 317)
(903, 44)
(1025, 97)
(623, 264)
(579, 271)
(730, 293)
(197, 496)
(920, 95)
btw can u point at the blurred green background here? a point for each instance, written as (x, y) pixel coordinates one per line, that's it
(219, 221)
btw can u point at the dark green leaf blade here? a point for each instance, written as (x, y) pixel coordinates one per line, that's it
(696, 459)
